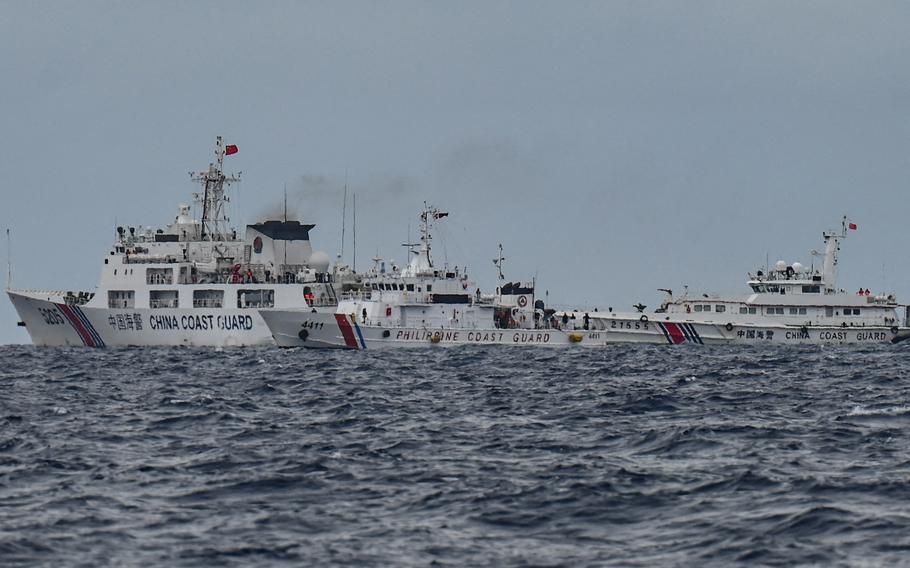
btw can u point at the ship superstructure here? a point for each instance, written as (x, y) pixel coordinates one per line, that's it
(193, 282)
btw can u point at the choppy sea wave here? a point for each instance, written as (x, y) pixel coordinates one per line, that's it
(631, 456)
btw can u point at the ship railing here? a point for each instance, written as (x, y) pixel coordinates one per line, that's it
(39, 292)
(163, 303)
(884, 300)
(356, 295)
(212, 303)
(258, 305)
(119, 304)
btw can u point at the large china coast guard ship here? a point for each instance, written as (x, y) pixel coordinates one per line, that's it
(423, 305)
(194, 282)
(787, 303)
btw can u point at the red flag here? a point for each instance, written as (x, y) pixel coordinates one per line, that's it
(231, 149)
(852, 226)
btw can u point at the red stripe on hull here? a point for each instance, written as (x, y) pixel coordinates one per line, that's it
(77, 325)
(676, 334)
(346, 330)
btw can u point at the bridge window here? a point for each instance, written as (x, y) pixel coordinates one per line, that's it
(208, 298)
(163, 299)
(851, 311)
(720, 309)
(123, 299)
(811, 289)
(261, 298)
(159, 276)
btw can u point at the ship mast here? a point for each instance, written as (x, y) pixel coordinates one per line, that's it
(832, 246)
(213, 198)
(422, 262)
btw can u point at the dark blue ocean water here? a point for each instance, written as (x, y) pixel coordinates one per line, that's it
(629, 456)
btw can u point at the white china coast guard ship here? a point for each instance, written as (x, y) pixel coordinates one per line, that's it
(789, 303)
(194, 282)
(424, 305)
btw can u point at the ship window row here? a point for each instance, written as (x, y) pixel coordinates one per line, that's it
(774, 311)
(707, 308)
(745, 310)
(159, 299)
(797, 311)
(395, 286)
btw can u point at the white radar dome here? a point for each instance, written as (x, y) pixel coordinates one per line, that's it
(798, 267)
(780, 265)
(319, 261)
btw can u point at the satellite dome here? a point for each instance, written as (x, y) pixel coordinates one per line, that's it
(798, 267)
(780, 265)
(319, 261)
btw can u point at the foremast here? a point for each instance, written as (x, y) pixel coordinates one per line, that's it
(421, 264)
(213, 199)
(832, 247)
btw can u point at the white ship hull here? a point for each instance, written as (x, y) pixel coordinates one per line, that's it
(294, 328)
(50, 322)
(674, 332)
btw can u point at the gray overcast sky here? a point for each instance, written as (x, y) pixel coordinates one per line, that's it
(612, 147)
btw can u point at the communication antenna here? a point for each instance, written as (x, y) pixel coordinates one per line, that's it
(344, 209)
(354, 262)
(9, 261)
(285, 220)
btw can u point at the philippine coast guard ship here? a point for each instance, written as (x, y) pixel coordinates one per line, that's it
(194, 282)
(788, 303)
(424, 305)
